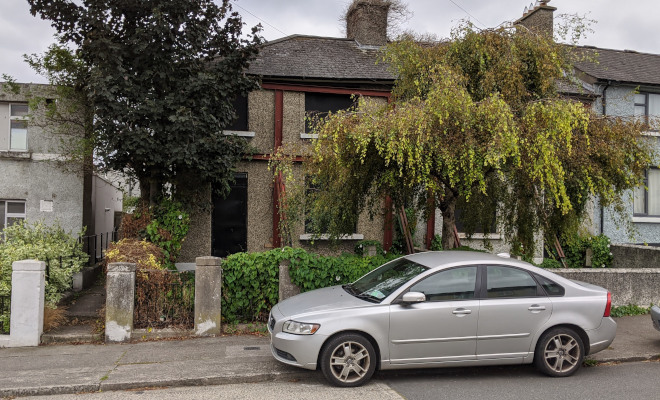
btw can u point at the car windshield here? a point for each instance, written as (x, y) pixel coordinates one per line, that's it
(384, 280)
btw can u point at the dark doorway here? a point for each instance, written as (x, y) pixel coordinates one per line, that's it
(229, 223)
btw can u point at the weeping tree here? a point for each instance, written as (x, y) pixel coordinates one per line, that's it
(475, 121)
(161, 77)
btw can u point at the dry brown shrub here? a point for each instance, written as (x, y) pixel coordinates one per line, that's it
(144, 254)
(134, 225)
(54, 317)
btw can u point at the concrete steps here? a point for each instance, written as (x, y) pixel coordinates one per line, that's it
(83, 310)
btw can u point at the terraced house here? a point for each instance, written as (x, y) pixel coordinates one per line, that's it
(304, 74)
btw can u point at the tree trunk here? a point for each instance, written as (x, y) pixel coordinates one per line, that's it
(448, 209)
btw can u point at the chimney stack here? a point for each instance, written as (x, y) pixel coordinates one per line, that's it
(538, 18)
(366, 22)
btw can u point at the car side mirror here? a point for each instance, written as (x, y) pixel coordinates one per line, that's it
(413, 297)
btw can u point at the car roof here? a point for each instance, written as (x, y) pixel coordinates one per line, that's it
(434, 259)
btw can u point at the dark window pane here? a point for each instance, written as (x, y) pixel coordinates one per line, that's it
(551, 288)
(12, 221)
(15, 207)
(2, 215)
(320, 103)
(453, 284)
(510, 282)
(241, 108)
(19, 110)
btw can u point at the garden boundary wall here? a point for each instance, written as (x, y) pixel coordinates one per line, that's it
(639, 286)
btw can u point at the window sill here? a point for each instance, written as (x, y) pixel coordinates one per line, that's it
(479, 236)
(325, 236)
(238, 133)
(650, 220)
(309, 135)
(651, 133)
(16, 154)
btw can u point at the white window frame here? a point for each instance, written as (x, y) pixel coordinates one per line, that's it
(646, 115)
(8, 215)
(18, 118)
(645, 216)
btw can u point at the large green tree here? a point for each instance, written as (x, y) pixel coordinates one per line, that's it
(476, 122)
(161, 77)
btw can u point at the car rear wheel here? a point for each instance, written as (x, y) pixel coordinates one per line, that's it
(559, 352)
(348, 360)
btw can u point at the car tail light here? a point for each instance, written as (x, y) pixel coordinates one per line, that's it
(608, 307)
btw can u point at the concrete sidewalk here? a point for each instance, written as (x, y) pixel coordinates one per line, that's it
(58, 369)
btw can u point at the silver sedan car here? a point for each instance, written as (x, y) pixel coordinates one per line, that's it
(438, 309)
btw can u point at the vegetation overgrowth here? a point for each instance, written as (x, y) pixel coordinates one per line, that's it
(48, 243)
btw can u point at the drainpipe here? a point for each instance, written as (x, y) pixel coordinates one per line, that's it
(603, 103)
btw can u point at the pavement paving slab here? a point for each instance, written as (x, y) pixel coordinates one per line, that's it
(62, 369)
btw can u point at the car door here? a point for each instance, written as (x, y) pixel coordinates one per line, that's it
(512, 310)
(442, 328)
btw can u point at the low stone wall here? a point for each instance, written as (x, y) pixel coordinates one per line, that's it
(640, 286)
(635, 256)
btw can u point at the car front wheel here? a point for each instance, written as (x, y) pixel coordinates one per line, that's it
(348, 360)
(559, 352)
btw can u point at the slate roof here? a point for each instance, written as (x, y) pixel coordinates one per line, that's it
(313, 57)
(622, 66)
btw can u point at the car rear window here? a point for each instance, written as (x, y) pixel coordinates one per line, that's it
(551, 288)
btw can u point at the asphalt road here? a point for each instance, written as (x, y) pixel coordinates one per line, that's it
(640, 380)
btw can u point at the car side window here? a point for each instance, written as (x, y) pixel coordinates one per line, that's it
(509, 282)
(452, 284)
(551, 288)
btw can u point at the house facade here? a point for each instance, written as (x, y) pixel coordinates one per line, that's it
(628, 86)
(33, 186)
(300, 75)
(304, 74)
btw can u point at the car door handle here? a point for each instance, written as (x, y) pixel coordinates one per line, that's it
(461, 311)
(536, 307)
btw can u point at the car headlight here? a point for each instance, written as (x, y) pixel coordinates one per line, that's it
(300, 328)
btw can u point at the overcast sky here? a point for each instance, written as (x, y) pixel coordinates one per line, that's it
(631, 24)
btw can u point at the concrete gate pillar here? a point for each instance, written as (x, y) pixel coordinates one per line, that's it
(27, 303)
(120, 302)
(208, 296)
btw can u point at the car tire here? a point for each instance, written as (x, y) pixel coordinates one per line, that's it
(348, 360)
(559, 352)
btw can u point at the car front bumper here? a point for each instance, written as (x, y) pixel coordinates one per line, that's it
(655, 317)
(601, 337)
(297, 350)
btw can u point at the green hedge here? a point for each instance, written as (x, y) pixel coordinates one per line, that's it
(251, 280)
(23, 241)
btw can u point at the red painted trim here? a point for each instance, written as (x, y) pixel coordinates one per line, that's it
(387, 239)
(277, 192)
(277, 241)
(321, 89)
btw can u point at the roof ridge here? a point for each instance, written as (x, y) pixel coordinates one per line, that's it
(298, 35)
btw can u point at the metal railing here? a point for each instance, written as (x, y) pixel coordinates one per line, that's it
(164, 298)
(97, 245)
